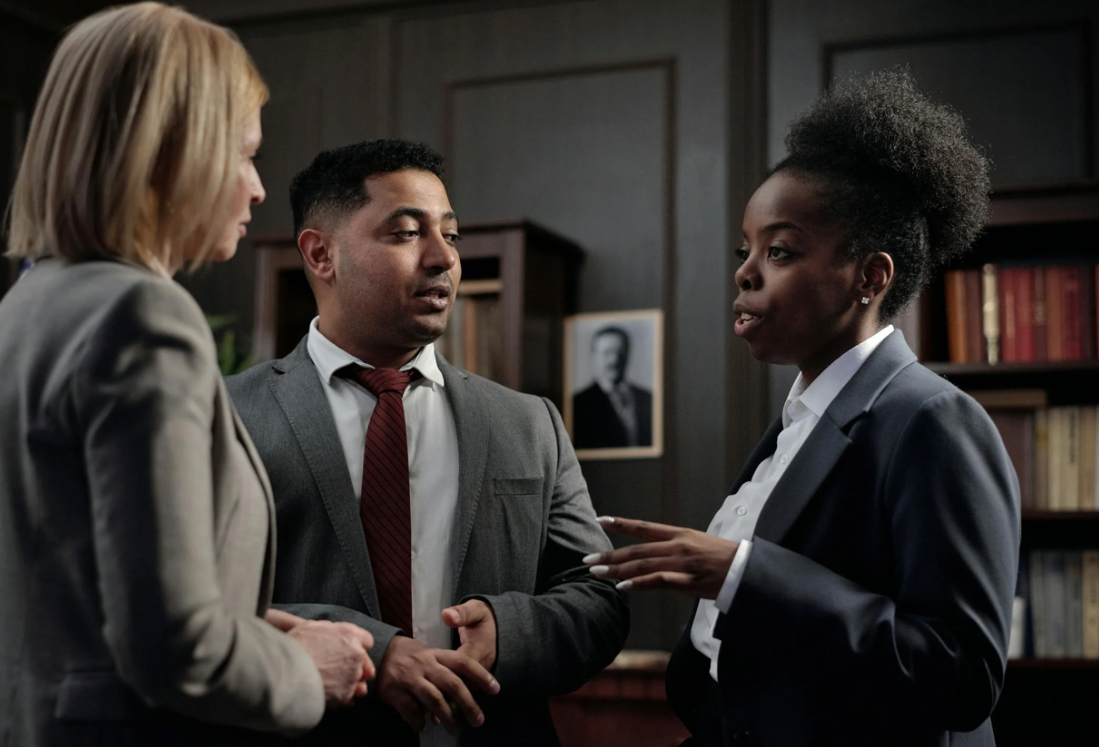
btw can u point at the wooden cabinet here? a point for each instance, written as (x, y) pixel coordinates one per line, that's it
(1046, 698)
(518, 284)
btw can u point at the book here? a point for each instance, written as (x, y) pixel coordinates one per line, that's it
(1006, 298)
(1016, 427)
(1070, 482)
(1074, 605)
(1056, 462)
(955, 316)
(1038, 606)
(1089, 434)
(1024, 313)
(1088, 343)
(1041, 460)
(974, 313)
(990, 316)
(1055, 604)
(1054, 314)
(1038, 313)
(1072, 348)
(1090, 592)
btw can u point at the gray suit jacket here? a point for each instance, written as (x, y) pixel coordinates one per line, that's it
(876, 604)
(136, 545)
(524, 522)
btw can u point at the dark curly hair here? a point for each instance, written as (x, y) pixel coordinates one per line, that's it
(896, 170)
(334, 184)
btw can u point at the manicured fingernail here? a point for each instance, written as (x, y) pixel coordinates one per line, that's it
(593, 558)
(624, 585)
(605, 519)
(599, 570)
(494, 686)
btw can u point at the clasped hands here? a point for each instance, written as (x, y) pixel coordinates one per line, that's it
(337, 648)
(421, 682)
(682, 560)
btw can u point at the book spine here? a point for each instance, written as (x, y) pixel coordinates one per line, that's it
(1041, 459)
(1071, 328)
(1039, 314)
(1057, 462)
(1074, 606)
(991, 313)
(1055, 604)
(1039, 626)
(1071, 480)
(1054, 314)
(1090, 584)
(1087, 313)
(1088, 449)
(955, 316)
(974, 312)
(1006, 298)
(1024, 313)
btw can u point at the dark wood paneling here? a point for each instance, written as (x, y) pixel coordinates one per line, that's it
(1026, 93)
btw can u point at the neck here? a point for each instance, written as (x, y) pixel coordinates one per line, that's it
(377, 355)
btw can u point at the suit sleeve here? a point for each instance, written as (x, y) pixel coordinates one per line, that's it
(383, 633)
(144, 399)
(932, 652)
(574, 625)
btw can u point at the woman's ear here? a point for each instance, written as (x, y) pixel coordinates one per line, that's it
(316, 250)
(877, 274)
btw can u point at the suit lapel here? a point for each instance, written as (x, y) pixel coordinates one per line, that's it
(828, 441)
(473, 428)
(300, 394)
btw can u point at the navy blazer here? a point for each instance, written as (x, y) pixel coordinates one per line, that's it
(876, 604)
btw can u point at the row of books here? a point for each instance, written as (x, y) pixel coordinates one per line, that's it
(1055, 451)
(1002, 313)
(474, 336)
(1058, 617)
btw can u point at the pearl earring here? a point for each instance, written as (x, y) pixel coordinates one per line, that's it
(864, 300)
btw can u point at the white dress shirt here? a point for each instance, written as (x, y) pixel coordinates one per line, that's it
(432, 476)
(737, 517)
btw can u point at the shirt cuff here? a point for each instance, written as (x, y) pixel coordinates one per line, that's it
(732, 580)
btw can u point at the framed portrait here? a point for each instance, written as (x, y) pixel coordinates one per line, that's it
(614, 384)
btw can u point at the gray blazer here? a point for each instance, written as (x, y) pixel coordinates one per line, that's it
(136, 544)
(524, 522)
(876, 603)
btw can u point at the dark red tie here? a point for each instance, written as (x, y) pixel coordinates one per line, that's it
(385, 504)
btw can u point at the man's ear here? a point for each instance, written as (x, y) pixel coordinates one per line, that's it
(317, 251)
(877, 274)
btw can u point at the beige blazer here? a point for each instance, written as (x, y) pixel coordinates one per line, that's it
(136, 533)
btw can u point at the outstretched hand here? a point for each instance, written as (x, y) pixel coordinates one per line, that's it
(476, 625)
(683, 560)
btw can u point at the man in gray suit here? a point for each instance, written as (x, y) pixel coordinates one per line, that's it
(487, 556)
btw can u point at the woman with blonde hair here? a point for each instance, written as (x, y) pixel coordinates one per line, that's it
(136, 521)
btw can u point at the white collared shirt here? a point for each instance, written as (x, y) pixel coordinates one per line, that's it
(737, 517)
(432, 476)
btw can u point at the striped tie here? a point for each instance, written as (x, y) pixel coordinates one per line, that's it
(385, 504)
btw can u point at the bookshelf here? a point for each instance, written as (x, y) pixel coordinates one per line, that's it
(1036, 232)
(518, 283)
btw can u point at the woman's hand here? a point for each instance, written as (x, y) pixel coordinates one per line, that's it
(683, 560)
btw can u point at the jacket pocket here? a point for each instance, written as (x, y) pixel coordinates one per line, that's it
(517, 486)
(96, 696)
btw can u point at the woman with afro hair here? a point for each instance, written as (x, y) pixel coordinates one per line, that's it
(855, 587)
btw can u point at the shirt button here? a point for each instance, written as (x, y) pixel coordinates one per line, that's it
(798, 406)
(413, 554)
(415, 630)
(784, 458)
(741, 511)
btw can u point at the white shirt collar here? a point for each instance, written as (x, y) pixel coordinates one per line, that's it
(330, 358)
(819, 395)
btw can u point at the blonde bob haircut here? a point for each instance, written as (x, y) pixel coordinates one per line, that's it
(135, 144)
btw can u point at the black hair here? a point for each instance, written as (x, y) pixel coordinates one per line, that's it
(898, 172)
(334, 184)
(613, 329)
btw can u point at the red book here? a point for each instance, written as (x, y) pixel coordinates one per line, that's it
(974, 314)
(1087, 313)
(1017, 431)
(1005, 286)
(1039, 315)
(955, 316)
(1024, 313)
(1071, 313)
(1054, 314)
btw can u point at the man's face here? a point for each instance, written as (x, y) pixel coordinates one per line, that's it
(609, 358)
(396, 265)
